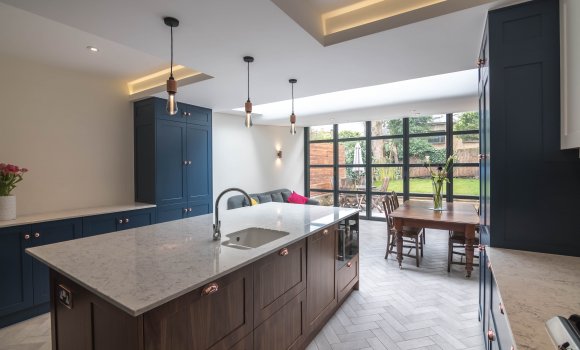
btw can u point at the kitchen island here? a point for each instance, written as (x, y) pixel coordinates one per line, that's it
(170, 286)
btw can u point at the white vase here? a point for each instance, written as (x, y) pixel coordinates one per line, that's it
(7, 208)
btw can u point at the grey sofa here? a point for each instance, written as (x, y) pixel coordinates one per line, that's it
(280, 195)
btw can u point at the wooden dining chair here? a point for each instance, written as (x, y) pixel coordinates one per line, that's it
(412, 236)
(456, 245)
(396, 205)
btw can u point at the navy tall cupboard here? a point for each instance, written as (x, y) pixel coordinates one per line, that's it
(173, 163)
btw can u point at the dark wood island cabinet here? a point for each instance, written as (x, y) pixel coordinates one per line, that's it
(279, 301)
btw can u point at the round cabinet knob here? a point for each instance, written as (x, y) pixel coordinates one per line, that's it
(189, 210)
(185, 162)
(185, 210)
(490, 335)
(489, 265)
(349, 264)
(283, 252)
(120, 221)
(36, 235)
(184, 114)
(27, 236)
(126, 221)
(189, 162)
(325, 232)
(210, 289)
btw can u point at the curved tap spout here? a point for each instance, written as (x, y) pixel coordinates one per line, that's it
(217, 235)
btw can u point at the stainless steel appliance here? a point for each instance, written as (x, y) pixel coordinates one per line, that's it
(347, 241)
(565, 333)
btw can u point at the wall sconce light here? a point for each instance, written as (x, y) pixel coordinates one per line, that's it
(279, 154)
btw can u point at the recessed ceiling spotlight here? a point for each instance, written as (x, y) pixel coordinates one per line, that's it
(92, 49)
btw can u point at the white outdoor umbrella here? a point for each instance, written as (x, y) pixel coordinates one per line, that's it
(357, 160)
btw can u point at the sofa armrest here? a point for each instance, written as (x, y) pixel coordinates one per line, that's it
(312, 202)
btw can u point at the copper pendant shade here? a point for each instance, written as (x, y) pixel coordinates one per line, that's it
(171, 83)
(248, 106)
(293, 116)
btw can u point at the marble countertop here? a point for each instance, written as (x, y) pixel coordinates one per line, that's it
(535, 287)
(71, 214)
(140, 269)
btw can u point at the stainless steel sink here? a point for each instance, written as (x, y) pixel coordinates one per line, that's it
(252, 237)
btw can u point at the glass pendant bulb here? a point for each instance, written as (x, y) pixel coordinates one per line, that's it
(171, 106)
(248, 122)
(293, 128)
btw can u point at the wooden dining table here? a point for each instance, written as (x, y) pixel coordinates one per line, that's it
(456, 216)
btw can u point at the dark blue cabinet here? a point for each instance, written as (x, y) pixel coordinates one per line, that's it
(173, 159)
(48, 233)
(15, 270)
(99, 224)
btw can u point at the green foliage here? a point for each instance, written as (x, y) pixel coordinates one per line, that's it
(320, 135)
(467, 121)
(418, 147)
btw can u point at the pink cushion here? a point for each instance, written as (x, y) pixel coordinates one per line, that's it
(297, 199)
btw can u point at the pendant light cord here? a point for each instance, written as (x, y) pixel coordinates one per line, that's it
(292, 98)
(171, 68)
(248, 80)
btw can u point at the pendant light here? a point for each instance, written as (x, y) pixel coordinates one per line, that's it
(171, 83)
(248, 123)
(293, 116)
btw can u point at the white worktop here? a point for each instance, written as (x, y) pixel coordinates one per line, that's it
(140, 269)
(535, 287)
(71, 214)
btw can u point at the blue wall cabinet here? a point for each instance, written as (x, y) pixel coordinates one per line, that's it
(15, 270)
(48, 233)
(173, 160)
(99, 224)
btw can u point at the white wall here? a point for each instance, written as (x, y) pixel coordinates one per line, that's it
(73, 130)
(246, 158)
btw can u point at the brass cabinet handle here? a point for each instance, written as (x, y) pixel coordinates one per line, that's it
(283, 252)
(325, 232)
(27, 236)
(490, 335)
(126, 220)
(36, 235)
(501, 310)
(210, 289)
(349, 264)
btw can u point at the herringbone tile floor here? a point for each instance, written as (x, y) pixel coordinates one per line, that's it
(414, 308)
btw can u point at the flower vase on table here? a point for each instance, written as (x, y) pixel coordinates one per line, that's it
(439, 177)
(10, 175)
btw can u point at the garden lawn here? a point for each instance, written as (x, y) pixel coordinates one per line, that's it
(461, 186)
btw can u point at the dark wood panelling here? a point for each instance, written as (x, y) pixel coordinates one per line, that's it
(321, 279)
(277, 279)
(195, 321)
(286, 329)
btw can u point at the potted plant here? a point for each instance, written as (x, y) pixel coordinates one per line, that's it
(439, 178)
(10, 175)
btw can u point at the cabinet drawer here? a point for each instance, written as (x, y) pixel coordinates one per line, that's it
(278, 278)
(499, 319)
(347, 277)
(99, 224)
(285, 329)
(136, 218)
(171, 212)
(200, 320)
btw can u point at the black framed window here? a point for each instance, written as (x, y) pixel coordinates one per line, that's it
(356, 164)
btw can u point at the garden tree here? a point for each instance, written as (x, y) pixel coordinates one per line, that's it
(419, 147)
(467, 121)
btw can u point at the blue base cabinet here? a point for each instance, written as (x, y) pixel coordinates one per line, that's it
(25, 288)
(25, 291)
(173, 159)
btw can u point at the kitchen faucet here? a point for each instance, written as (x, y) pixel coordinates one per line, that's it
(217, 235)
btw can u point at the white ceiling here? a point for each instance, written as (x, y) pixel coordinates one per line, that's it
(214, 36)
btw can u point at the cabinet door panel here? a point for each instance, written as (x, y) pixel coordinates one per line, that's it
(49, 233)
(15, 270)
(199, 322)
(198, 209)
(171, 212)
(198, 172)
(277, 279)
(99, 224)
(198, 115)
(286, 329)
(137, 218)
(321, 282)
(170, 167)
(347, 276)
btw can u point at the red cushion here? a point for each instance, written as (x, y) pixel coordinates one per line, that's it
(297, 199)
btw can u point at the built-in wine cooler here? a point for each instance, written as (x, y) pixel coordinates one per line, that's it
(348, 231)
